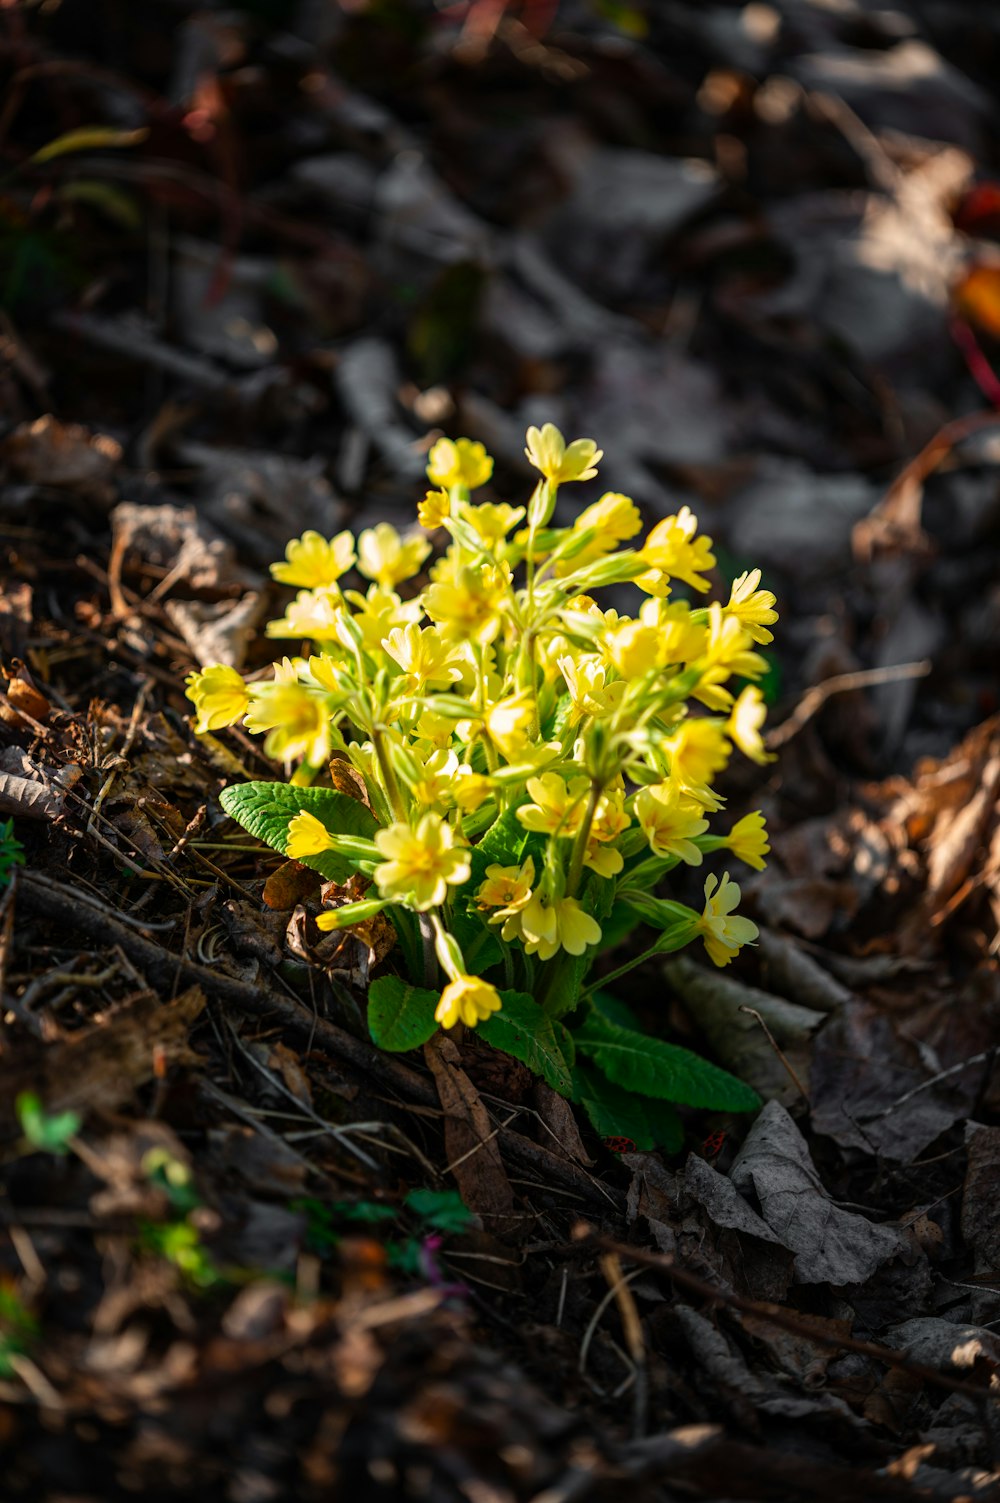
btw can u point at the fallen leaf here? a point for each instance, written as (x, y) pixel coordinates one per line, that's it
(471, 1148)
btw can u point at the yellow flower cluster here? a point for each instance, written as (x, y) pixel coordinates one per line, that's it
(495, 696)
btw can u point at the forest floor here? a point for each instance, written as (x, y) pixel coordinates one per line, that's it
(752, 252)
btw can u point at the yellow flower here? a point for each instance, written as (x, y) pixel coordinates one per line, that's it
(507, 888)
(547, 926)
(616, 517)
(670, 822)
(307, 836)
(557, 809)
(727, 651)
(463, 461)
(589, 694)
(548, 452)
(313, 562)
(603, 859)
(681, 639)
(426, 658)
(468, 606)
(313, 613)
(746, 718)
(421, 864)
(435, 729)
(508, 722)
(470, 789)
(672, 551)
(748, 840)
(379, 612)
(492, 521)
(297, 720)
(219, 696)
(697, 749)
(633, 648)
(753, 607)
(388, 558)
(724, 933)
(434, 510)
(467, 1000)
(436, 783)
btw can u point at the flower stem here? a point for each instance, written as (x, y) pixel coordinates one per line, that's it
(388, 777)
(582, 839)
(622, 970)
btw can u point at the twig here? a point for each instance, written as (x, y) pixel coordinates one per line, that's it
(815, 698)
(752, 1011)
(777, 1315)
(78, 911)
(632, 1327)
(925, 1085)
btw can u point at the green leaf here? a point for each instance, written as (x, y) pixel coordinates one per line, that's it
(502, 845)
(265, 810)
(666, 1071)
(400, 1016)
(616, 1113)
(480, 945)
(48, 1133)
(522, 1029)
(614, 1010)
(441, 1210)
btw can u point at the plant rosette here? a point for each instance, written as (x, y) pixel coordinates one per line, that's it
(533, 765)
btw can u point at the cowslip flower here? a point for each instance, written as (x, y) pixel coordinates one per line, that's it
(434, 787)
(548, 451)
(297, 721)
(420, 864)
(468, 1000)
(585, 679)
(313, 562)
(461, 461)
(697, 750)
(428, 661)
(388, 558)
(748, 840)
(673, 551)
(745, 720)
(633, 648)
(219, 695)
(467, 607)
(506, 888)
(556, 807)
(307, 836)
(724, 932)
(547, 926)
(753, 607)
(491, 521)
(434, 510)
(670, 823)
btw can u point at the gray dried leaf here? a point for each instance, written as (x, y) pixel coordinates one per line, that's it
(830, 1245)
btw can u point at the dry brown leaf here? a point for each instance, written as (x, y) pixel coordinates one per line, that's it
(471, 1149)
(292, 883)
(103, 1066)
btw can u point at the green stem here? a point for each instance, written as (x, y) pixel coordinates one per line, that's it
(582, 839)
(388, 777)
(622, 970)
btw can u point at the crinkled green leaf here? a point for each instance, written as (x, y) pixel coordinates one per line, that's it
(266, 809)
(617, 1113)
(654, 1068)
(400, 1016)
(522, 1029)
